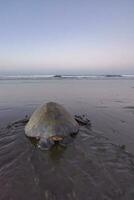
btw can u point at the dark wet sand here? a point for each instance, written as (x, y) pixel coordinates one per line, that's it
(107, 103)
(95, 166)
(91, 167)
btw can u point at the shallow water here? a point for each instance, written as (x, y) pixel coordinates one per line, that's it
(89, 168)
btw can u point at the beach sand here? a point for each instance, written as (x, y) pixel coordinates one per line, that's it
(90, 167)
(96, 165)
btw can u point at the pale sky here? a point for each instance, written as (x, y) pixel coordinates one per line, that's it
(67, 36)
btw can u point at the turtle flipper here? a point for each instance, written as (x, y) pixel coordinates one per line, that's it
(45, 144)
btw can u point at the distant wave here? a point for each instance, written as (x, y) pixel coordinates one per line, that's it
(57, 77)
(25, 77)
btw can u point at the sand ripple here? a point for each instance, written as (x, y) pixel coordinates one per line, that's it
(89, 168)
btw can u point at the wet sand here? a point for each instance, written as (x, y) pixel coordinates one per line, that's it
(96, 165)
(90, 167)
(107, 103)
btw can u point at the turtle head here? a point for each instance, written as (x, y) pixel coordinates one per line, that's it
(45, 144)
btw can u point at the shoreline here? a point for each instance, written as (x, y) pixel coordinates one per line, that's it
(62, 77)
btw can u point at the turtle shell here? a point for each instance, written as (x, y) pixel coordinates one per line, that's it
(51, 120)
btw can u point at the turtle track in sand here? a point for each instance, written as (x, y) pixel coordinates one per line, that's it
(89, 168)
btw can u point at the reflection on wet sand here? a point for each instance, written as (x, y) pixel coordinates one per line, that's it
(88, 168)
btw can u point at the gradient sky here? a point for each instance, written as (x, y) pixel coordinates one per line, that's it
(67, 36)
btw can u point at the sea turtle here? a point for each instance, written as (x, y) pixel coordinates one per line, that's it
(51, 123)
